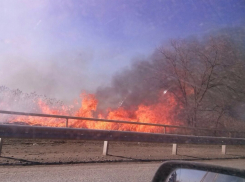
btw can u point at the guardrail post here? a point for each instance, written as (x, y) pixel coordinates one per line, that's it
(174, 149)
(1, 145)
(164, 130)
(224, 149)
(66, 122)
(105, 147)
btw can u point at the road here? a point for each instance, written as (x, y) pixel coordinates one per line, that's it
(94, 172)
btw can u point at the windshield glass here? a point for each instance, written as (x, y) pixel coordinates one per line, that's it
(166, 62)
(177, 66)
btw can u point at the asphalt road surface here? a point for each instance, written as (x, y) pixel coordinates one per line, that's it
(93, 172)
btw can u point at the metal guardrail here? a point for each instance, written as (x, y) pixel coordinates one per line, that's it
(115, 121)
(37, 132)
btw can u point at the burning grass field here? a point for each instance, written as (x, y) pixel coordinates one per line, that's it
(161, 112)
(48, 152)
(51, 152)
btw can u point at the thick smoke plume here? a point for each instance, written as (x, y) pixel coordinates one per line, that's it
(204, 75)
(197, 82)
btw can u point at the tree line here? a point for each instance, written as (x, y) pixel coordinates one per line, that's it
(205, 75)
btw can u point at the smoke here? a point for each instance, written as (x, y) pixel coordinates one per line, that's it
(151, 78)
(16, 100)
(132, 86)
(62, 76)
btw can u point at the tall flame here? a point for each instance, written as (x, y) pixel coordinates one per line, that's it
(162, 112)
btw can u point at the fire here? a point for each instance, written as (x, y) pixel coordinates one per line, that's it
(45, 109)
(162, 112)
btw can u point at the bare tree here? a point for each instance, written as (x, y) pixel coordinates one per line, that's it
(204, 76)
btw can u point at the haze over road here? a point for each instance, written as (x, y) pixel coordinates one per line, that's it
(94, 172)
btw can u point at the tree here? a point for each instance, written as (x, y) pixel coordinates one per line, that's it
(204, 76)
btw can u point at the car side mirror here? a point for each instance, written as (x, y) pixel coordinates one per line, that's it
(182, 171)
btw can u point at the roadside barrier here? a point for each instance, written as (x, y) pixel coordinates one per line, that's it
(67, 133)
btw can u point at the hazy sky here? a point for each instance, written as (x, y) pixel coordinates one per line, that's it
(61, 47)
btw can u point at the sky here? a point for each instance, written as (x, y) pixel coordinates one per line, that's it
(60, 48)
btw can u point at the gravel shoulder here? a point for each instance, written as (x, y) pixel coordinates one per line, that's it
(52, 152)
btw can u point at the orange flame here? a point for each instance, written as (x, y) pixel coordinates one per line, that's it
(162, 112)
